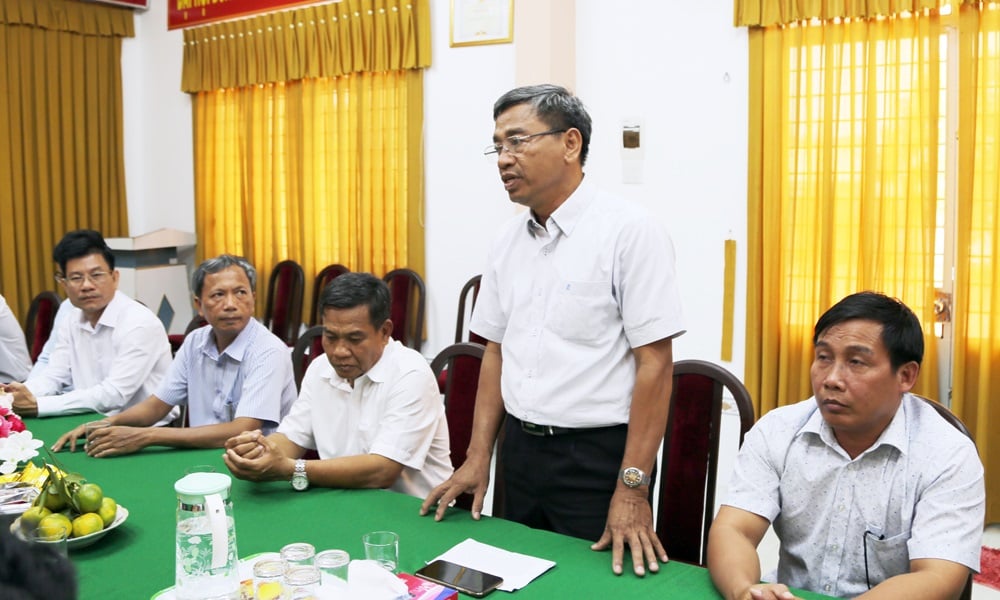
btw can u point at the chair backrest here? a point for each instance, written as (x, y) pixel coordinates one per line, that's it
(285, 291)
(690, 458)
(323, 279)
(309, 346)
(457, 371)
(959, 425)
(177, 339)
(407, 294)
(38, 325)
(466, 302)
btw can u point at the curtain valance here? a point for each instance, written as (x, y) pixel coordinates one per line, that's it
(751, 13)
(71, 16)
(327, 40)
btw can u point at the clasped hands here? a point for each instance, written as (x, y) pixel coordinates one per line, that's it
(253, 457)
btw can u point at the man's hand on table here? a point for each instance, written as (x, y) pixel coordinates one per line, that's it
(70, 437)
(472, 477)
(769, 591)
(630, 521)
(253, 457)
(24, 404)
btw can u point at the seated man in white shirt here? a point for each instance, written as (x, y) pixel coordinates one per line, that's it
(871, 492)
(233, 375)
(42, 362)
(14, 360)
(372, 410)
(113, 350)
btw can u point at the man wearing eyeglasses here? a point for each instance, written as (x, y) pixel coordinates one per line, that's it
(871, 492)
(579, 305)
(113, 350)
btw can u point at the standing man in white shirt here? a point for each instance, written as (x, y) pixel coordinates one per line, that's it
(112, 349)
(233, 375)
(372, 410)
(14, 360)
(579, 303)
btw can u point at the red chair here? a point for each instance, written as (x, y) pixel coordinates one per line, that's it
(457, 371)
(323, 279)
(406, 292)
(177, 339)
(690, 456)
(285, 291)
(466, 303)
(38, 326)
(308, 348)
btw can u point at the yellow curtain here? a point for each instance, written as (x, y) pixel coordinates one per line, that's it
(976, 382)
(320, 171)
(61, 156)
(329, 40)
(843, 185)
(308, 136)
(762, 13)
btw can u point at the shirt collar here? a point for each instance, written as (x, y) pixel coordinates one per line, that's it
(379, 372)
(568, 215)
(894, 435)
(236, 350)
(111, 314)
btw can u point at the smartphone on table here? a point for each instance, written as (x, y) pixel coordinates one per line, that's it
(466, 580)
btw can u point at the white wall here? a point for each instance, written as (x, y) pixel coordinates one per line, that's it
(680, 66)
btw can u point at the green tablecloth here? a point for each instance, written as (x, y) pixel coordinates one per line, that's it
(136, 560)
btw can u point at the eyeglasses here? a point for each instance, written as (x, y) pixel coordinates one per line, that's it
(514, 145)
(76, 279)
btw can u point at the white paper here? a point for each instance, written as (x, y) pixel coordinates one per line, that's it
(517, 570)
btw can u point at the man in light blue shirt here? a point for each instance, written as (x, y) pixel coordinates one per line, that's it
(233, 376)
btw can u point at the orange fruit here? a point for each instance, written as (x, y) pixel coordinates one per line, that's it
(108, 511)
(54, 500)
(53, 525)
(31, 517)
(88, 498)
(86, 524)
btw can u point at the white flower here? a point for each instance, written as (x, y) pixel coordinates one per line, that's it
(18, 447)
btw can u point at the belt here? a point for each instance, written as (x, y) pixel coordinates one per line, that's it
(550, 430)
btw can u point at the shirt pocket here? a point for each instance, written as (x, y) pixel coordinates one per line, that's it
(887, 558)
(582, 311)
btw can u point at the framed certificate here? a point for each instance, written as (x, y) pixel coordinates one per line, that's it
(477, 22)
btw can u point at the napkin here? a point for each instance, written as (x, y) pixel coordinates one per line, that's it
(517, 570)
(368, 580)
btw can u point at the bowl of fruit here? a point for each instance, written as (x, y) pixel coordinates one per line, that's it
(71, 503)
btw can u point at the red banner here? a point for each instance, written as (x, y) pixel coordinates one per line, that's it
(188, 13)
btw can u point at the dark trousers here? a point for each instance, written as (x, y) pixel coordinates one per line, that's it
(561, 483)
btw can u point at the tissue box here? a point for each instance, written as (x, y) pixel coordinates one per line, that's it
(421, 589)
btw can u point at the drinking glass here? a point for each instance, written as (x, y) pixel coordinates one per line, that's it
(52, 536)
(302, 582)
(269, 579)
(299, 553)
(383, 547)
(333, 566)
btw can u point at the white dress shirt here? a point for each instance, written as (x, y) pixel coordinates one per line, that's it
(394, 410)
(113, 365)
(919, 488)
(252, 377)
(569, 301)
(15, 363)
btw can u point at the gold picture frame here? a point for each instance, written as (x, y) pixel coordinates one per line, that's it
(478, 22)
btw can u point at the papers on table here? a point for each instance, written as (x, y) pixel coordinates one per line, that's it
(517, 570)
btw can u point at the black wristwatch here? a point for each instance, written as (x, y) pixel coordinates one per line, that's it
(633, 477)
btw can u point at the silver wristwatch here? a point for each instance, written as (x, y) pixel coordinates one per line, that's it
(300, 482)
(634, 477)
